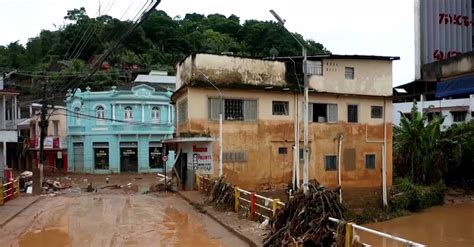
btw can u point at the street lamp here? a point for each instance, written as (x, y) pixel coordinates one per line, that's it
(305, 108)
(220, 121)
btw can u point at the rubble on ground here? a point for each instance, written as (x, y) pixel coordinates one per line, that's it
(304, 219)
(222, 195)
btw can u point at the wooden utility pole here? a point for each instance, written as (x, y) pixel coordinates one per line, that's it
(43, 124)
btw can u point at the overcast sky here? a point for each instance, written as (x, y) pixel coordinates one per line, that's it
(367, 27)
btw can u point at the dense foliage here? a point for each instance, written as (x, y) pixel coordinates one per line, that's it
(158, 43)
(427, 155)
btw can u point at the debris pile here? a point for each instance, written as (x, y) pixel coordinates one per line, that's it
(54, 185)
(165, 183)
(304, 219)
(222, 195)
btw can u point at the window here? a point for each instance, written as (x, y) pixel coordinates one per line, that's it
(56, 127)
(376, 111)
(349, 73)
(234, 109)
(183, 111)
(234, 156)
(330, 163)
(101, 155)
(370, 161)
(282, 150)
(280, 108)
(315, 67)
(99, 112)
(352, 114)
(459, 116)
(128, 111)
(155, 114)
(302, 154)
(322, 113)
(77, 115)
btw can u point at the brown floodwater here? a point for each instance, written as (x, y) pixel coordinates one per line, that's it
(448, 225)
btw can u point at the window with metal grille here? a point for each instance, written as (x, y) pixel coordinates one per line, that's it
(330, 163)
(370, 161)
(322, 113)
(183, 111)
(234, 156)
(234, 109)
(376, 111)
(280, 108)
(459, 116)
(315, 67)
(128, 113)
(282, 150)
(349, 73)
(352, 113)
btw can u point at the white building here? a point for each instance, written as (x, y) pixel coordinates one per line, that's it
(453, 110)
(9, 113)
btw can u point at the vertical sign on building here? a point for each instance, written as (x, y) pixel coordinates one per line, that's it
(202, 159)
(443, 29)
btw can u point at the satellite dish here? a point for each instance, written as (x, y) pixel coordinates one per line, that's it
(273, 52)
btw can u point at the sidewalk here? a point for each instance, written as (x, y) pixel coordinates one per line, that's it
(247, 230)
(14, 207)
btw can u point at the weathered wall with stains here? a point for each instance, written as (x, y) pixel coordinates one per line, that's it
(371, 77)
(260, 139)
(230, 70)
(454, 66)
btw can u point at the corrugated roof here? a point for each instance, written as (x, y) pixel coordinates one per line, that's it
(156, 79)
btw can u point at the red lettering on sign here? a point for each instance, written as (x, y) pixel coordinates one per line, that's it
(439, 55)
(459, 20)
(199, 149)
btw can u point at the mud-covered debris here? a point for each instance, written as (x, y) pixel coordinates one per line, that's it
(304, 221)
(222, 195)
(90, 188)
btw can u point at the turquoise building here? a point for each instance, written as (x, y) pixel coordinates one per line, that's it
(118, 130)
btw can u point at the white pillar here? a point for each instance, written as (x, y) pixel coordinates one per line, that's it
(143, 113)
(15, 111)
(3, 117)
(4, 154)
(169, 113)
(113, 111)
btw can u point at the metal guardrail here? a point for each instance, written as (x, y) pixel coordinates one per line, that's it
(9, 190)
(205, 184)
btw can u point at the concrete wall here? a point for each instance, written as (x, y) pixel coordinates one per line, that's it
(454, 66)
(231, 70)
(260, 140)
(371, 77)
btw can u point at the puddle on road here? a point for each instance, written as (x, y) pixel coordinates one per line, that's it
(185, 230)
(51, 237)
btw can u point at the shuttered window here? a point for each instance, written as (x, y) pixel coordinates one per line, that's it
(214, 108)
(332, 113)
(183, 111)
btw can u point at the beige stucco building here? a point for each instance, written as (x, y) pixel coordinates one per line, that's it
(349, 114)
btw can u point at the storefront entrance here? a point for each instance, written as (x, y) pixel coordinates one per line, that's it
(129, 157)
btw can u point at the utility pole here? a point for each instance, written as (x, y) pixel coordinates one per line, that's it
(305, 106)
(44, 128)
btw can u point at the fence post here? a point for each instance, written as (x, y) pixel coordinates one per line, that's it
(1, 193)
(17, 187)
(275, 205)
(237, 199)
(349, 235)
(253, 207)
(198, 182)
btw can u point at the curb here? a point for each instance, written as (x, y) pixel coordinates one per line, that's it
(20, 211)
(229, 228)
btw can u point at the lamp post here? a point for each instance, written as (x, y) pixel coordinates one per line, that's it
(220, 121)
(306, 104)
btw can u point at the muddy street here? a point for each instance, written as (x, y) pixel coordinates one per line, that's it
(118, 218)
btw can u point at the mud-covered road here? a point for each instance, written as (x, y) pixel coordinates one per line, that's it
(114, 219)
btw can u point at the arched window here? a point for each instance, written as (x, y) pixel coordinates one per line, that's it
(155, 114)
(128, 113)
(77, 115)
(100, 112)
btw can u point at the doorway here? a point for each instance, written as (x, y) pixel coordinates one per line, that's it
(181, 169)
(129, 157)
(78, 157)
